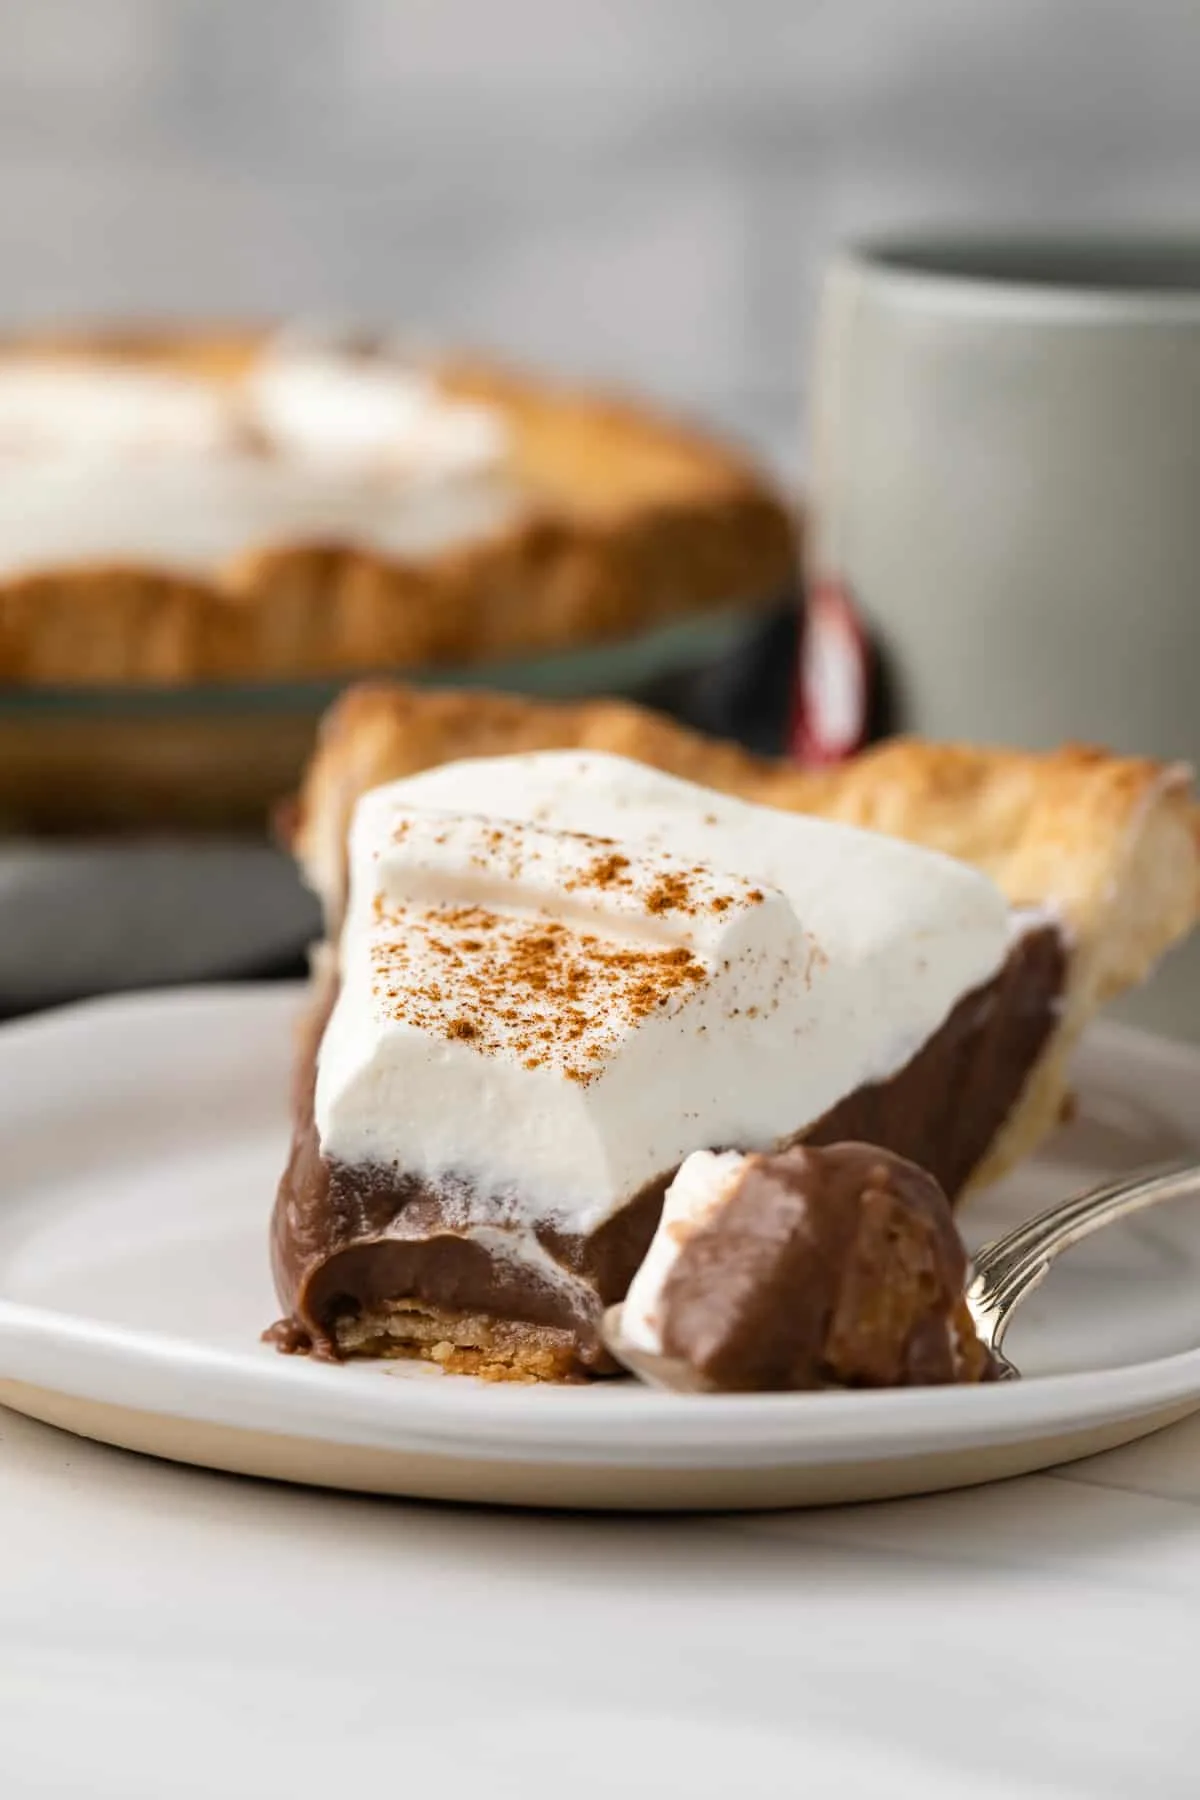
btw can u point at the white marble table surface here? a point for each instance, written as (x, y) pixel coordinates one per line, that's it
(168, 1634)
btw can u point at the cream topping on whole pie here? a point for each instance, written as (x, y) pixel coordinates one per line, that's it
(102, 460)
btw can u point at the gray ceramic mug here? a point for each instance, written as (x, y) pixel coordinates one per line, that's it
(1006, 479)
(1006, 475)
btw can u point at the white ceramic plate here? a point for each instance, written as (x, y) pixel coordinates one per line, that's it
(141, 1142)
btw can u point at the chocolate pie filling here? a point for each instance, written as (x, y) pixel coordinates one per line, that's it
(824, 1267)
(349, 1240)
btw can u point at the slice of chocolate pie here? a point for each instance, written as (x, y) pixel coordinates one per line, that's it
(559, 975)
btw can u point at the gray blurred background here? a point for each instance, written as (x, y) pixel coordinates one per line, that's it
(636, 191)
(640, 190)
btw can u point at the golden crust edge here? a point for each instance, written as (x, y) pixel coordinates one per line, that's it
(1151, 904)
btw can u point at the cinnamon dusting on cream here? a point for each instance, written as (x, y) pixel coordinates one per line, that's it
(530, 987)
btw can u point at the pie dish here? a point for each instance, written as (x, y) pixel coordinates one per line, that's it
(193, 508)
(561, 971)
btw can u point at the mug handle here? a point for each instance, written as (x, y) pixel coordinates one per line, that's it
(832, 693)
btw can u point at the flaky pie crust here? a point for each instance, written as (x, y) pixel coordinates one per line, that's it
(1108, 845)
(633, 521)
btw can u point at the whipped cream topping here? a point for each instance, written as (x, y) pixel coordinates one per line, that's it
(105, 460)
(86, 410)
(703, 1184)
(369, 414)
(542, 1023)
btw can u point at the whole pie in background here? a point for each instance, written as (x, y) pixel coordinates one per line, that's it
(202, 534)
(266, 507)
